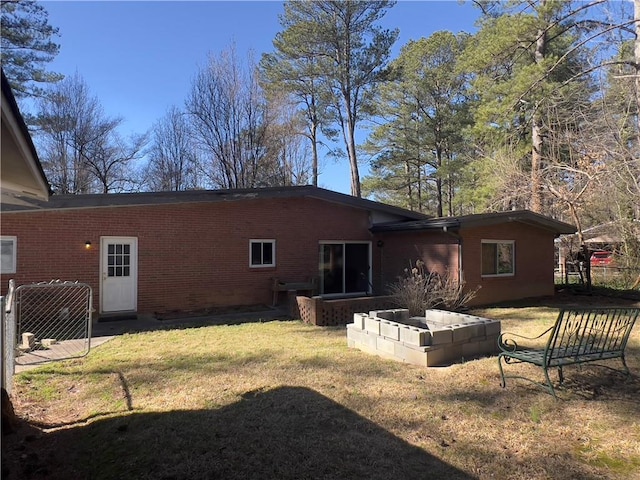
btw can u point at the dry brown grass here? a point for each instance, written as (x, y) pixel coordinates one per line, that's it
(285, 400)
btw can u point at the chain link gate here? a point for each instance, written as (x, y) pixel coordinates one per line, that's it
(53, 321)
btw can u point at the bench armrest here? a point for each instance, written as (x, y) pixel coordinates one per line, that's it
(507, 341)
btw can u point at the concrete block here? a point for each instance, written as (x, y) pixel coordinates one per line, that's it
(444, 355)
(477, 328)
(386, 356)
(433, 315)
(401, 315)
(436, 356)
(466, 331)
(453, 318)
(390, 330)
(372, 325)
(358, 320)
(385, 314)
(461, 333)
(370, 340)
(471, 349)
(484, 347)
(492, 328)
(361, 339)
(385, 346)
(416, 322)
(415, 336)
(352, 329)
(354, 333)
(413, 356)
(28, 341)
(440, 336)
(47, 342)
(491, 344)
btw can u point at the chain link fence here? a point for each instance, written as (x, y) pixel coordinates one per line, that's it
(52, 321)
(616, 277)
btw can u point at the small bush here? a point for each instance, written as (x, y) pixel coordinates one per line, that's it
(419, 290)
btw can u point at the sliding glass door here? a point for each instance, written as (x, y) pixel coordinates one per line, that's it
(345, 268)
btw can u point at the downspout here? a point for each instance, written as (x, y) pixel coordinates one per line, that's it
(380, 245)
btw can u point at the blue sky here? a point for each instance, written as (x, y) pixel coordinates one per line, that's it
(138, 58)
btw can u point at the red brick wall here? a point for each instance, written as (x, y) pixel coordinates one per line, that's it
(534, 263)
(400, 250)
(534, 254)
(191, 255)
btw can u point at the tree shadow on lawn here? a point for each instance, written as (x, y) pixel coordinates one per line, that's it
(285, 433)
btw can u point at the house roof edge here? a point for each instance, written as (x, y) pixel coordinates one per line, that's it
(479, 220)
(84, 201)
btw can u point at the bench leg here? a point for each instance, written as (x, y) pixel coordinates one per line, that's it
(549, 384)
(503, 383)
(624, 364)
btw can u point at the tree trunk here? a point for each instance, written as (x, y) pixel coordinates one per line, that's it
(439, 212)
(636, 17)
(537, 140)
(536, 164)
(314, 148)
(353, 161)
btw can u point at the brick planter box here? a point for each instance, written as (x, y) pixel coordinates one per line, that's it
(438, 338)
(323, 312)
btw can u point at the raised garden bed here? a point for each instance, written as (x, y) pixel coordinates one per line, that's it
(438, 338)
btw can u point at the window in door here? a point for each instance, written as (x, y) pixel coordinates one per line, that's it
(345, 268)
(118, 260)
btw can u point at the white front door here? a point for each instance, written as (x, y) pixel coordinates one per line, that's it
(119, 274)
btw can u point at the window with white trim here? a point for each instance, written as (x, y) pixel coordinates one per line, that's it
(8, 246)
(262, 253)
(498, 258)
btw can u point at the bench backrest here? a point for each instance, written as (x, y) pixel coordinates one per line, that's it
(591, 331)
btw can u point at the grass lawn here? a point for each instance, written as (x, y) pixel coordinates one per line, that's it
(285, 400)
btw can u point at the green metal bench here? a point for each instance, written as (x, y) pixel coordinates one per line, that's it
(578, 336)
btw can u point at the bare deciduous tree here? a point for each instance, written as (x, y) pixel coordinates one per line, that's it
(244, 139)
(227, 111)
(111, 159)
(81, 150)
(172, 157)
(289, 142)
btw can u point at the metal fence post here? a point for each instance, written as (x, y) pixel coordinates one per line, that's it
(8, 327)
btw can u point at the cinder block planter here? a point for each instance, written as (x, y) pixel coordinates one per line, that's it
(438, 338)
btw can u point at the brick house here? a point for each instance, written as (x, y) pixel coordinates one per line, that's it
(149, 253)
(509, 255)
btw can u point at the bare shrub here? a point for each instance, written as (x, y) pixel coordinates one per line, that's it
(419, 290)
